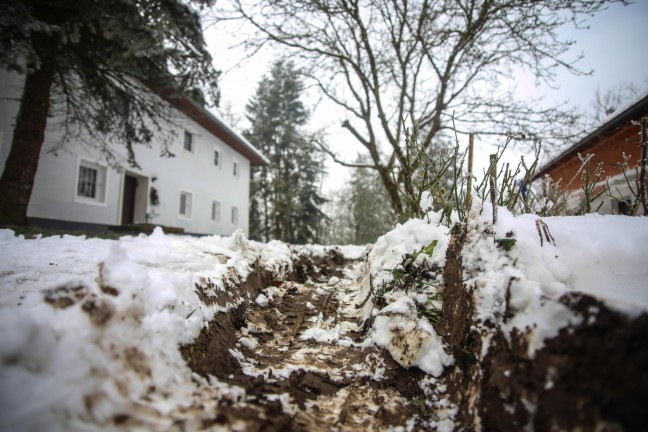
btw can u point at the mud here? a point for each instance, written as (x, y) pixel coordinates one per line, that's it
(593, 376)
(292, 383)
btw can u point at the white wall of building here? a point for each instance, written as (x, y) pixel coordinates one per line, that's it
(55, 194)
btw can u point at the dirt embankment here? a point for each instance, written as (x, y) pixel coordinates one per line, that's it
(592, 376)
(293, 383)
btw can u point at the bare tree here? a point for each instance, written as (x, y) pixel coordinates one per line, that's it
(397, 65)
(609, 101)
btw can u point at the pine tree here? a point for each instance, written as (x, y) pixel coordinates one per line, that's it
(371, 213)
(285, 202)
(91, 57)
(361, 210)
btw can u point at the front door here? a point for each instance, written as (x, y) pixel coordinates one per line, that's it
(128, 207)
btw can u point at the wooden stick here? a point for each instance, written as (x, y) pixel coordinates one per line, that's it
(471, 143)
(493, 184)
(642, 175)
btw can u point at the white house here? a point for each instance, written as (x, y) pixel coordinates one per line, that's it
(204, 189)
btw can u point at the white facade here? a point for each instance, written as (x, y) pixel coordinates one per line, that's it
(199, 190)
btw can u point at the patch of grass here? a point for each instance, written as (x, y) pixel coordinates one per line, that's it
(31, 232)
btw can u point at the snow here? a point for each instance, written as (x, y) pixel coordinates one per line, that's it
(116, 313)
(262, 300)
(90, 328)
(410, 341)
(406, 238)
(598, 255)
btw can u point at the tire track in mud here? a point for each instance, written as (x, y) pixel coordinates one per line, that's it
(303, 361)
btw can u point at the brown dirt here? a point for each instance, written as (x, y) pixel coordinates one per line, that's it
(593, 376)
(325, 391)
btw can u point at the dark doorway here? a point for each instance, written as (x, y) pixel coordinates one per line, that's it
(128, 206)
(624, 207)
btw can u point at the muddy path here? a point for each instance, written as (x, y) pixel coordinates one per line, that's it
(298, 353)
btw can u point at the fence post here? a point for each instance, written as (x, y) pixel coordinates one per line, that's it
(471, 143)
(492, 175)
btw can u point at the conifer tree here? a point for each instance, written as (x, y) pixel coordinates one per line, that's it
(360, 209)
(91, 57)
(285, 202)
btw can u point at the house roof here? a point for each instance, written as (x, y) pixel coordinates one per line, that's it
(215, 125)
(611, 126)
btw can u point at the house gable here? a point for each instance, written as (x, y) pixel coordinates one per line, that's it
(214, 125)
(607, 144)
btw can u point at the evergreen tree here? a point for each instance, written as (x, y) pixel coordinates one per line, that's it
(361, 210)
(285, 202)
(94, 55)
(371, 213)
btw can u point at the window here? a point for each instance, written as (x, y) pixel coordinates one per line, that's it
(188, 141)
(234, 215)
(235, 169)
(216, 158)
(215, 211)
(87, 186)
(185, 204)
(91, 182)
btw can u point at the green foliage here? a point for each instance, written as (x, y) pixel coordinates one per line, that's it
(506, 243)
(104, 51)
(285, 199)
(416, 275)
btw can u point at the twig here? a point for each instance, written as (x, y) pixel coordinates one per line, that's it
(544, 229)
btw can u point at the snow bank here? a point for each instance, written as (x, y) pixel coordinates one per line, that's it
(90, 329)
(520, 288)
(406, 239)
(410, 340)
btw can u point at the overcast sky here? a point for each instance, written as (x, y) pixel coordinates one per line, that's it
(614, 47)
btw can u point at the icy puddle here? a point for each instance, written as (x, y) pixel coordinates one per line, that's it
(302, 363)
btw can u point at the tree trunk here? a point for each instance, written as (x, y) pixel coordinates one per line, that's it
(17, 180)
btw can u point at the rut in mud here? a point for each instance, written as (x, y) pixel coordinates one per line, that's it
(301, 358)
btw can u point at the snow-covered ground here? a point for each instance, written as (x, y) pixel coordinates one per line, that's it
(90, 329)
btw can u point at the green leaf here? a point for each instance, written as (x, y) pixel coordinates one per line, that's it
(429, 249)
(506, 243)
(398, 274)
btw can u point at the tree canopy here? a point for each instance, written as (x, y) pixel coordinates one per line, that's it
(91, 59)
(426, 65)
(285, 195)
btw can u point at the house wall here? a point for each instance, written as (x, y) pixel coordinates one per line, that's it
(55, 188)
(609, 151)
(195, 172)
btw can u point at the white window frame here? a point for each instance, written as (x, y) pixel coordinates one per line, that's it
(220, 157)
(190, 204)
(101, 181)
(234, 217)
(216, 216)
(236, 168)
(192, 141)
